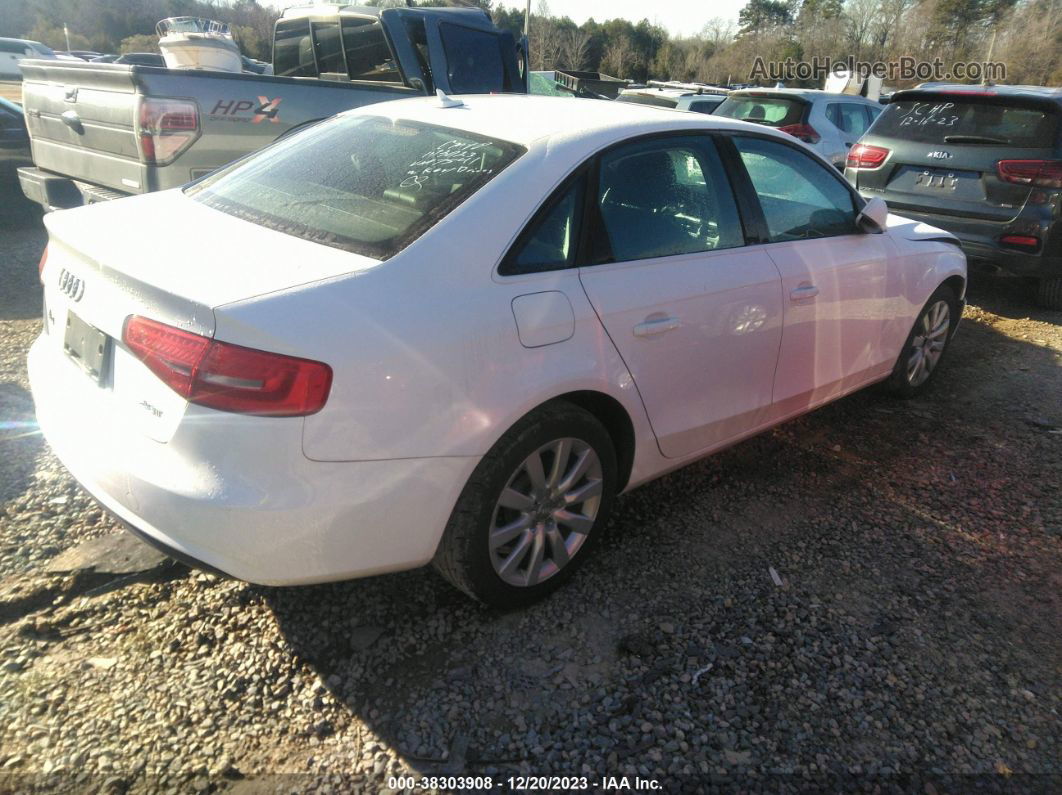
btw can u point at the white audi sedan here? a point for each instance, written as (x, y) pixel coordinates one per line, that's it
(452, 331)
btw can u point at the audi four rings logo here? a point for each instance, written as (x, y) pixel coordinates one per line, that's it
(70, 285)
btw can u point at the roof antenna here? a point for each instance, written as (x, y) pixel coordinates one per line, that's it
(447, 102)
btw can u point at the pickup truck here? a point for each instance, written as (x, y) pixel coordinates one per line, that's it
(103, 131)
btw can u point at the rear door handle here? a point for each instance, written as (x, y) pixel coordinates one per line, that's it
(656, 325)
(804, 292)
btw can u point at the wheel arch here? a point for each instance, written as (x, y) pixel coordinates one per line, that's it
(612, 414)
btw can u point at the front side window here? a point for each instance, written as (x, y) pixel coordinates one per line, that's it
(801, 198)
(666, 197)
(361, 183)
(473, 60)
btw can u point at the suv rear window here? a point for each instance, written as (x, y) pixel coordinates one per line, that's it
(361, 183)
(950, 120)
(772, 111)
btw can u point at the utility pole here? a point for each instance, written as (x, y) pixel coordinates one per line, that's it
(527, 18)
(66, 32)
(991, 47)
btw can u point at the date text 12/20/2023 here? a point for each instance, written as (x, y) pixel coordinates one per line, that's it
(521, 783)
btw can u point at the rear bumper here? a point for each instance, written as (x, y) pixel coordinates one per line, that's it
(235, 494)
(980, 242)
(55, 192)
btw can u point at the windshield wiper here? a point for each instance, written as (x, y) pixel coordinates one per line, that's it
(972, 139)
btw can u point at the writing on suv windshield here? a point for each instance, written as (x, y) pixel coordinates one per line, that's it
(365, 184)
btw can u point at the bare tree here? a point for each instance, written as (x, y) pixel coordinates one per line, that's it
(574, 49)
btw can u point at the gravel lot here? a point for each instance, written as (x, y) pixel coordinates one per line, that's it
(915, 642)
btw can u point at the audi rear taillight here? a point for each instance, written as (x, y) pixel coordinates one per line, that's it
(166, 128)
(864, 156)
(42, 263)
(228, 377)
(805, 132)
(1037, 173)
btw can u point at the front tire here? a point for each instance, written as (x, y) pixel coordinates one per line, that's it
(922, 353)
(532, 509)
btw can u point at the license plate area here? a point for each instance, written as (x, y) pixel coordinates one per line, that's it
(86, 345)
(943, 182)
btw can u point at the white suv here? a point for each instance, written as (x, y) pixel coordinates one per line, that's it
(829, 123)
(677, 96)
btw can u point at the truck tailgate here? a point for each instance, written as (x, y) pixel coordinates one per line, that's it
(81, 119)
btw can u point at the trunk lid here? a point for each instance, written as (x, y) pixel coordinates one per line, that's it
(944, 150)
(109, 261)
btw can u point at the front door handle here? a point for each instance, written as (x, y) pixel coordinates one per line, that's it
(656, 324)
(804, 292)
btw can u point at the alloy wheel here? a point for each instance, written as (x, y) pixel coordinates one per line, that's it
(927, 346)
(545, 512)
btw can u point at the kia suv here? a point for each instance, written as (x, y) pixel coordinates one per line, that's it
(983, 162)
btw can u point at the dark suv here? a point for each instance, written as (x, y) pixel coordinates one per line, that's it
(984, 163)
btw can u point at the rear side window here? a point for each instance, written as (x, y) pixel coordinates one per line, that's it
(704, 105)
(661, 198)
(848, 117)
(984, 120)
(551, 241)
(329, 47)
(368, 56)
(473, 60)
(801, 199)
(361, 183)
(772, 111)
(293, 50)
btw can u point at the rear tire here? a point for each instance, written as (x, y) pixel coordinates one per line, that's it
(521, 528)
(1049, 292)
(923, 351)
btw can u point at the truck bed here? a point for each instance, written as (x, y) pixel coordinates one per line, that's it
(83, 120)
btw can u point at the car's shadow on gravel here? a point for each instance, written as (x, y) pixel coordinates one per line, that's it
(20, 441)
(1008, 296)
(907, 538)
(23, 236)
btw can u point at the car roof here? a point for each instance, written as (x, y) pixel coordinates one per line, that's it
(804, 93)
(1036, 92)
(527, 119)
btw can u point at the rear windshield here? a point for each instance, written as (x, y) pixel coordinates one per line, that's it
(772, 111)
(361, 183)
(648, 99)
(940, 120)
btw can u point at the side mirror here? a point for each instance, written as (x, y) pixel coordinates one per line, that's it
(874, 217)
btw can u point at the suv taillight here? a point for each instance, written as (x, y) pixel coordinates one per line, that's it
(863, 156)
(228, 377)
(1038, 173)
(166, 128)
(805, 132)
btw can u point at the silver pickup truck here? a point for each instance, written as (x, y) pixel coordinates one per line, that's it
(103, 131)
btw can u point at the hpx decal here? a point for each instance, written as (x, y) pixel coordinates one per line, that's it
(245, 110)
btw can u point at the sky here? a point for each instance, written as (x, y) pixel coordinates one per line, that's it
(678, 17)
